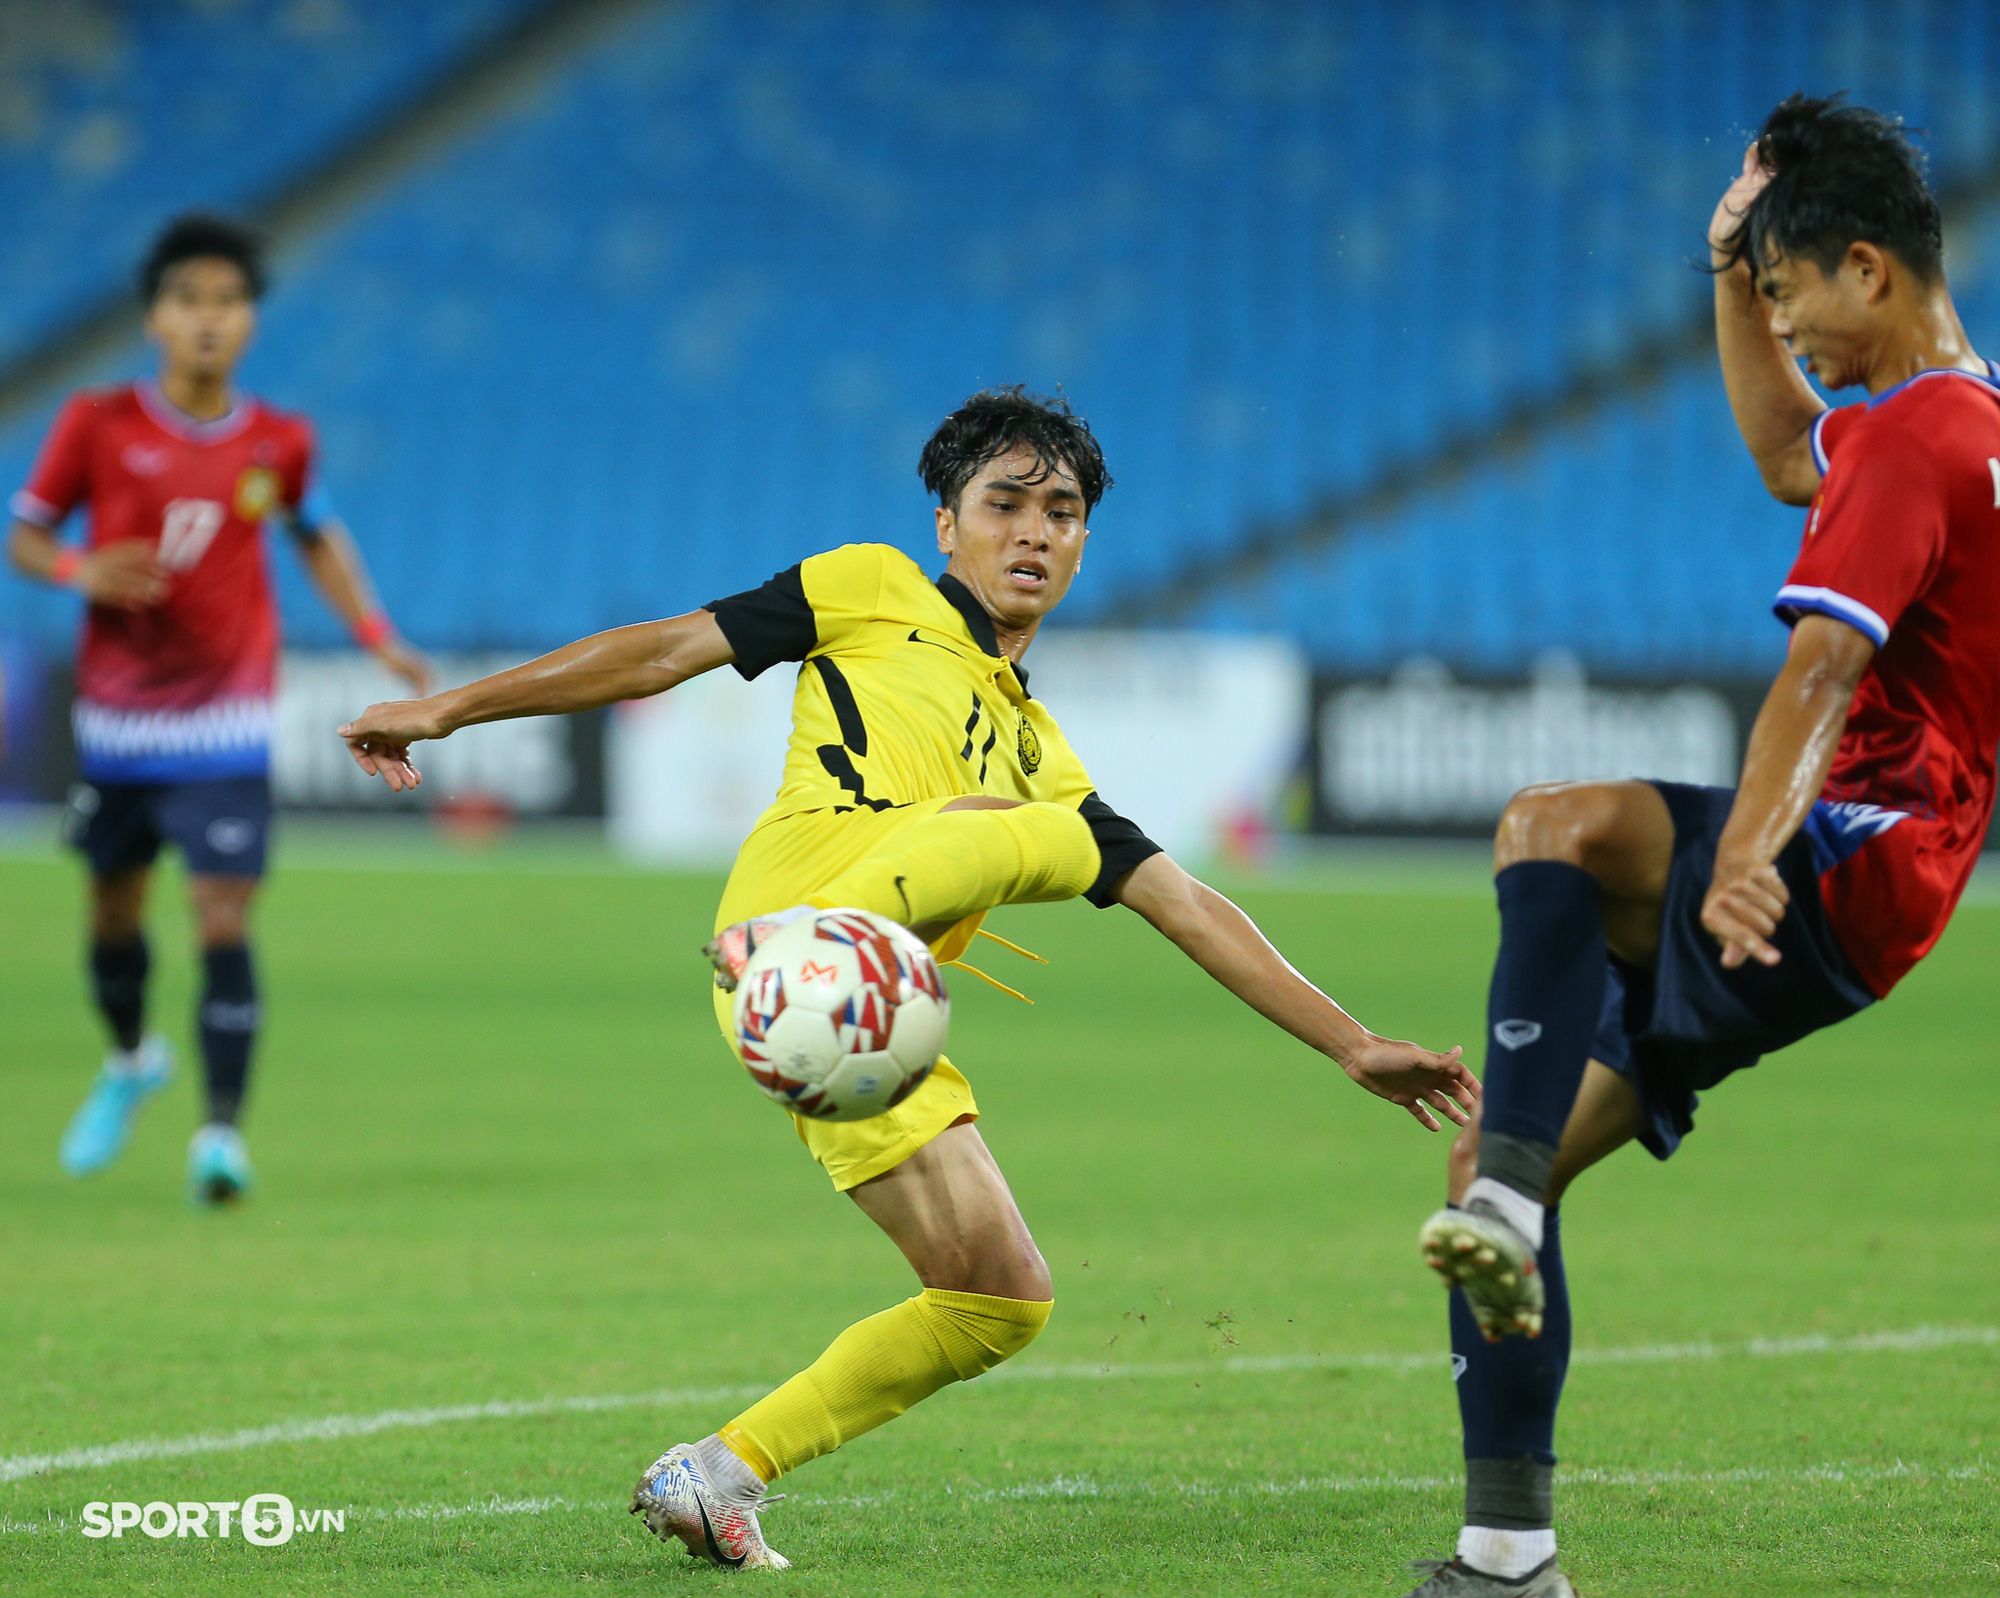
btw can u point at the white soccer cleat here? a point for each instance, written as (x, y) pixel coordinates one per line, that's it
(679, 1504)
(1475, 1249)
(730, 949)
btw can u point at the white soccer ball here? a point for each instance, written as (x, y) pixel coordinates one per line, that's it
(840, 1015)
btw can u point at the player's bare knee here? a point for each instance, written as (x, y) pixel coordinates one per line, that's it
(115, 923)
(221, 911)
(1021, 1270)
(117, 907)
(221, 927)
(1555, 821)
(1013, 1269)
(991, 1273)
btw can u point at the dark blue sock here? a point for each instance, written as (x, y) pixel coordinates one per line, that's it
(1507, 1397)
(1541, 1015)
(118, 978)
(228, 1019)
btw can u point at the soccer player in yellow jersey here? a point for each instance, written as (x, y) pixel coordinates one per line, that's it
(925, 783)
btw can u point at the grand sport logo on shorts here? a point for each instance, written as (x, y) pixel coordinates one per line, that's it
(265, 1520)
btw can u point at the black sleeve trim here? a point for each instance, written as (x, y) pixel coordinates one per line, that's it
(1122, 845)
(768, 624)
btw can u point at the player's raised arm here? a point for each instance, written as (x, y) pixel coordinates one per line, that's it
(1225, 943)
(626, 663)
(1774, 406)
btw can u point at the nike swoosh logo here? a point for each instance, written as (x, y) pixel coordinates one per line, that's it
(903, 894)
(715, 1548)
(945, 647)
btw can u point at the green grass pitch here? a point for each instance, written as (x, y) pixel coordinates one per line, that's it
(505, 1159)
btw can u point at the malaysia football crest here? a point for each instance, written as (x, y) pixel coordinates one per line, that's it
(256, 493)
(1029, 745)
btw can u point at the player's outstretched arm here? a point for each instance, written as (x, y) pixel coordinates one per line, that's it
(625, 663)
(1225, 943)
(1775, 407)
(1784, 771)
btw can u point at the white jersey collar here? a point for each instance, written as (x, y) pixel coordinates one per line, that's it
(169, 416)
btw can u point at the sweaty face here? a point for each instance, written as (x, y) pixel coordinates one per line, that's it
(1015, 538)
(1825, 319)
(203, 317)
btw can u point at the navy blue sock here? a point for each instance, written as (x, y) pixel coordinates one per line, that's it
(228, 1019)
(1507, 1397)
(118, 978)
(1541, 1014)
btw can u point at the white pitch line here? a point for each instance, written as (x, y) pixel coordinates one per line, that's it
(1080, 1487)
(1921, 1339)
(328, 1427)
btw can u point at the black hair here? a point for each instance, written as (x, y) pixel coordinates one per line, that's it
(197, 234)
(996, 421)
(1839, 173)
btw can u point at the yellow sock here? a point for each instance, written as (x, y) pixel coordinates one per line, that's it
(878, 1368)
(960, 862)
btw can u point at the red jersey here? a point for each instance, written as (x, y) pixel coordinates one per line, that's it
(1903, 543)
(180, 691)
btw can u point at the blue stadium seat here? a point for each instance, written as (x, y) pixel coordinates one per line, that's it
(117, 116)
(687, 314)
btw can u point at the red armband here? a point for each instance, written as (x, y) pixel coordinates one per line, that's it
(68, 564)
(372, 630)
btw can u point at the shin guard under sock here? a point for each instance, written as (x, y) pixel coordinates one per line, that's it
(228, 1025)
(1507, 1397)
(1541, 1014)
(118, 980)
(878, 1368)
(959, 862)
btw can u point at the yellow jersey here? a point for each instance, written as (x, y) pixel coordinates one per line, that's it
(904, 696)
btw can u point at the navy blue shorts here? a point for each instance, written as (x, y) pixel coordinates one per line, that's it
(221, 828)
(1687, 1023)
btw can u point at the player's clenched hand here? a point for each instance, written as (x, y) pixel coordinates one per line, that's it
(126, 575)
(1415, 1078)
(1748, 184)
(1745, 903)
(380, 738)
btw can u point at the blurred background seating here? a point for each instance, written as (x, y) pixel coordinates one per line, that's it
(1390, 316)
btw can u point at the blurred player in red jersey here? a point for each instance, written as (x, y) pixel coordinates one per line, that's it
(1656, 937)
(178, 663)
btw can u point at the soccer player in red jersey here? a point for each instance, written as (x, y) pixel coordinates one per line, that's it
(178, 663)
(1656, 937)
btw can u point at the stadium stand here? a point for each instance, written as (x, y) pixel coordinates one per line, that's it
(686, 314)
(116, 114)
(1640, 542)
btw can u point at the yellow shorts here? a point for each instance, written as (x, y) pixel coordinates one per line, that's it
(779, 864)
